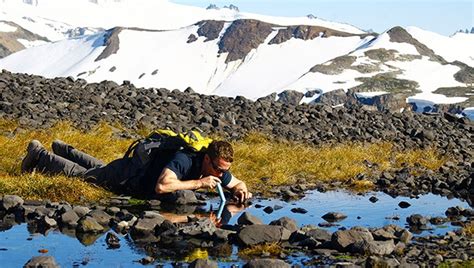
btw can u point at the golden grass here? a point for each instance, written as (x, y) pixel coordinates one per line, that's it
(469, 229)
(272, 249)
(284, 162)
(256, 157)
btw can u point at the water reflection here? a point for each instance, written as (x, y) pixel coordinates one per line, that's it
(18, 243)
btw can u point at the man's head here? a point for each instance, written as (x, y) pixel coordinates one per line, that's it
(218, 158)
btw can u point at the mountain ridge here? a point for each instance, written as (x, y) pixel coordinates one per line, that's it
(230, 53)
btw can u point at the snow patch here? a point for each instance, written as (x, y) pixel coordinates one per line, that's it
(6, 28)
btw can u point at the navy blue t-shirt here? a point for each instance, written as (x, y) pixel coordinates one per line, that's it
(188, 167)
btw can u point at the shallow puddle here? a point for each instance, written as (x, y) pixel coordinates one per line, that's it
(18, 245)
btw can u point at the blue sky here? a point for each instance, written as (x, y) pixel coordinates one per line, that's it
(440, 16)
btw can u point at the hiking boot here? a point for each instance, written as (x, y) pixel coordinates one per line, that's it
(60, 148)
(32, 156)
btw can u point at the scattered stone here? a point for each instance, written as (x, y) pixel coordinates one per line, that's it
(299, 210)
(112, 240)
(88, 224)
(334, 216)
(268, 210)
(286, 222)
(263, 263)
(203, 263)
(257, 234)
(373, 199)
(404, 204)
(41, 261)
(11, 202)
(146, 260)
(248, 219)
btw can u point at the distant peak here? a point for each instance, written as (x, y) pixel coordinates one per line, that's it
(212, 6)
(215, 7)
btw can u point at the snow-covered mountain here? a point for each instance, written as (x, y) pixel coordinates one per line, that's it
(156, 43)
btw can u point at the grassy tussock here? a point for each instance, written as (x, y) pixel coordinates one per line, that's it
(256, 157)
(272, 249)
(469, 229)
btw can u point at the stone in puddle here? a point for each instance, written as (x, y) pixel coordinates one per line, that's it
(42, 261)
(203, 263)
(112, 240)
(248, 219)
(268, 210)
(417, 220)
(146, 260)
(373, 199)
(404, 204)
(299, 210)
(256, 234)
(277, 207)
(286, 222)
(88, 224)
(334, 216)
(327, 224)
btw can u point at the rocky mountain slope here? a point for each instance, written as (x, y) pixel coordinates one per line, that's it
(229, 53)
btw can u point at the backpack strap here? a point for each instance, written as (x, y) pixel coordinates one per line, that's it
(130, 149)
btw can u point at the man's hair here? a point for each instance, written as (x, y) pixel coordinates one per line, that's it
(221, 149)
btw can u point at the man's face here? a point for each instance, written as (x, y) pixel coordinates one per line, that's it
(215, 167)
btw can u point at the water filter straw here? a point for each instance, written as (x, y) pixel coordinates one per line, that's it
(221, 192)
(222, 204)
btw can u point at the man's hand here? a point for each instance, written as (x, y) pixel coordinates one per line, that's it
(209, 182)
(242, 194)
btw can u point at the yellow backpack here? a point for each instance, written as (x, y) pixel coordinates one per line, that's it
(166, 141)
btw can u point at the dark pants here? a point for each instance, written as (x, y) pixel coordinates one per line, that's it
(119, 175)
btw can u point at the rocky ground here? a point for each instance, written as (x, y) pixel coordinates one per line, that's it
(38, 103)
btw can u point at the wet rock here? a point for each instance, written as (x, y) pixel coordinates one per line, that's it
(404, 204)
(342, 239)
(334, 216)
(373, 199)
(202, 263)
(166, 228)
(223, 234)
(264, 263)
(70, 218)
(372, 247)
(146, 226)
(299, 210)
(41, 261)
(256, 234)
(81, 210)
(319, 234)
(268, 210)
(438, 220)
(48, 222)
(417, 220)
(88, 224)
(11, 202)
(100, 216)
(146, 260)
(286, 222)
(248, 219)
(202, 227)
(112, 240)
(453, 212)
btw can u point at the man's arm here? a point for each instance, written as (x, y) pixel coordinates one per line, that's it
(239, 189)
(168, 182)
